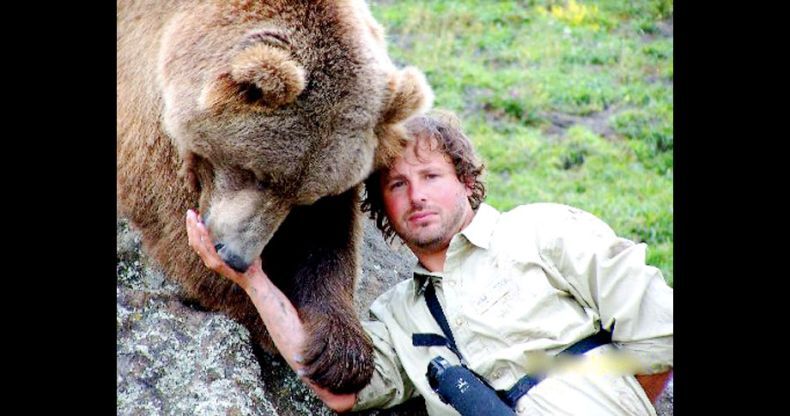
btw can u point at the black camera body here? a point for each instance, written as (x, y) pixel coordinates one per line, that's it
(464, 390)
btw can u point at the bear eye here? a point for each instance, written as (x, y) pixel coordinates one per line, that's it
(261, 184)
(271, 37)
(250, 176)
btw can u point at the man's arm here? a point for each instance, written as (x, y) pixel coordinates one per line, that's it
(276, 310)
(610, 274)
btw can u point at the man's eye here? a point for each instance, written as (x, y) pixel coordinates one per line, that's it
(395, 185)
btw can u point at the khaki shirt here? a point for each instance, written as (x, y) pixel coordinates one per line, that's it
(519, 286)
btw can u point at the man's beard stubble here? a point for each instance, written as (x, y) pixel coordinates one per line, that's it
(441, 238)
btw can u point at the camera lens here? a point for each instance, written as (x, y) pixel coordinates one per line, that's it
(435, 370)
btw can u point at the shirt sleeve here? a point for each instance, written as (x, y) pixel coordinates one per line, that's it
(609, 274)
(389, 385)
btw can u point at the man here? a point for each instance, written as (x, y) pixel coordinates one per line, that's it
(518, 289)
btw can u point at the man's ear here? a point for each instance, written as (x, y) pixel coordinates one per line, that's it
(261, 76)
(469, 184)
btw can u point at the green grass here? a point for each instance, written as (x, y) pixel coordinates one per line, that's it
(508, 68)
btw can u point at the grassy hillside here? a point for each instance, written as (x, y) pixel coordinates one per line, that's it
(566, 101)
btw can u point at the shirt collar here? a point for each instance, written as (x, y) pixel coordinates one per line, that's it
(480, 230)
(422, 277)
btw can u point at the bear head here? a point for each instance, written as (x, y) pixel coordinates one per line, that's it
(277, 104)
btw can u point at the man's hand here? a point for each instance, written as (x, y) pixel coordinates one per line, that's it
(278, 314)
(653, 384)
(200, 241)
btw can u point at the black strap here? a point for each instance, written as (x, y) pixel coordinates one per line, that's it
(524, 384)
(595, 340)
(429, 340)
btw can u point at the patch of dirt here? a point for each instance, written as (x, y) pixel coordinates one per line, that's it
(664, 29)
(595, 122)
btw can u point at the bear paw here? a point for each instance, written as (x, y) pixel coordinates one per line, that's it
(338, 356)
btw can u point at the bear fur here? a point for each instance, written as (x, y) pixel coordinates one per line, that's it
(266, 116)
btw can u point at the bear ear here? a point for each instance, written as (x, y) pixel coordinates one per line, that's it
(408, 93)
(261, 75)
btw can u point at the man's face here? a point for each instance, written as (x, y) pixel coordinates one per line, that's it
(425, 201)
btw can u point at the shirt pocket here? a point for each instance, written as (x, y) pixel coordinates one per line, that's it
(494, 300)
(501, 289)
(518, 300)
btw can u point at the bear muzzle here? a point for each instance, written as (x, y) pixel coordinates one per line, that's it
(233, 260)
(242, 223)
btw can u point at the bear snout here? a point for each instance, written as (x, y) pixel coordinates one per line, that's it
(235, 261)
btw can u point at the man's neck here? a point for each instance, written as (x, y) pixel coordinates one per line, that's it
(433, 260)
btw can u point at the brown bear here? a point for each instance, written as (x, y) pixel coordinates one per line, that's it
(266, 116)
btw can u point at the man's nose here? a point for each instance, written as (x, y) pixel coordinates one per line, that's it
(417, 192)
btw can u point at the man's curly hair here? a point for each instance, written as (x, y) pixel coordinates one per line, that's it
(439, 130)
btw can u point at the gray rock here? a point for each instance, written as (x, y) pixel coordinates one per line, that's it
(175, 359)
(664, 404)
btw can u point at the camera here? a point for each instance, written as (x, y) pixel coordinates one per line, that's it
(464, 390)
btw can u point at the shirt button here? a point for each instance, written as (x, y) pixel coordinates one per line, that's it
(459, 321)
